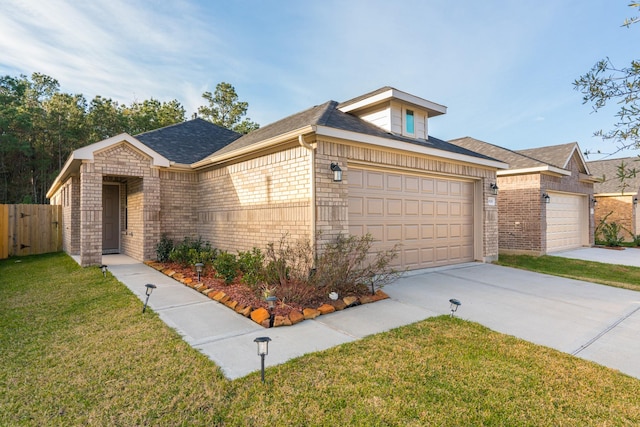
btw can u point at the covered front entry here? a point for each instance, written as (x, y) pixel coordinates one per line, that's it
(110, 219)
(430, 217)
(567, 221)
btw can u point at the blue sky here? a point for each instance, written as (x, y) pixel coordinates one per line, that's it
(503, 68)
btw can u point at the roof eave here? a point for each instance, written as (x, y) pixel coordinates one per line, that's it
(406, 146)
(538, 169)
(432, 108)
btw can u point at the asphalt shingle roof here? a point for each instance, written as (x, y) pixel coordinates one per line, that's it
(554, 155)
(189, 141)
(608, 170)
(329, 115)
(514, 159)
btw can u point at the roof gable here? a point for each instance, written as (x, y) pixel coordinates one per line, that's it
(558, 155)
(189, 141)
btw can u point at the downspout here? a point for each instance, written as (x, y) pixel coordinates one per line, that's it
(312, 177)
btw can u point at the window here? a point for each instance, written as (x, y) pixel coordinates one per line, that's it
(409, 126)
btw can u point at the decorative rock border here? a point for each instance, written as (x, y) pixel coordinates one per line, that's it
(261, 315)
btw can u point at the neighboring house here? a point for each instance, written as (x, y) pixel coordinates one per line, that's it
(238, 192)
(617, 200)
(544, 198)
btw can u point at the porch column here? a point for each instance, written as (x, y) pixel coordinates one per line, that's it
(151, 214)
(90, 215)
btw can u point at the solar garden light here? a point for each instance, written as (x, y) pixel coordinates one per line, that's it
(150, 287)
(263, 350)
(271, 303)
(199, 268)
(454, 305)
(104, 270)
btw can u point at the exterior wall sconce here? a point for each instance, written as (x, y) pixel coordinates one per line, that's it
(337, 172)
(635, 201)
(594, 202)
(104, 270)
(199, 268)
(150, 287)
(494, 188)
(454, 305)
(546, 198)
(263, 350)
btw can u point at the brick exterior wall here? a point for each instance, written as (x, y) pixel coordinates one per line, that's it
(522, 212)
(255, 202)
(619, 210)
(179, 197)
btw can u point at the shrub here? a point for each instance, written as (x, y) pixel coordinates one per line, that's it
(191, 251)
(347, 266)
(289, 262)
(251, 263)
(164, 248)
(226, 266)
(609, 232)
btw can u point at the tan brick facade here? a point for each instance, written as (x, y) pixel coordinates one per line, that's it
(618, 209)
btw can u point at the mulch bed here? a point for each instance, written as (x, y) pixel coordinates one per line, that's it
(241, 298)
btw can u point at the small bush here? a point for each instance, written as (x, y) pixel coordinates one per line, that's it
(164, 248)
(609, 232)
(226, 266)
(347, 266)
(191, 251)
(289, 262)
(251, 263)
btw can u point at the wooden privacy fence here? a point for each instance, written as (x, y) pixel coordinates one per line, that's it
(30, 229)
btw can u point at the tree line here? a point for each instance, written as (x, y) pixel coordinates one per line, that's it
(40, 126)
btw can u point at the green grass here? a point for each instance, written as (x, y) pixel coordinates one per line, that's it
(76, 350)
(620, 276)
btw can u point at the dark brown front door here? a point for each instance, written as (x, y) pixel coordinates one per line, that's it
(110, 219)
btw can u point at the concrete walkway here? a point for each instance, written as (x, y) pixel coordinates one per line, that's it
(594, 322)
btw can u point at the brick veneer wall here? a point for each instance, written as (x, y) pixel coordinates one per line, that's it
(68, 195)
(178, 210)
(255, 202)
(619, 210)
(522, 212)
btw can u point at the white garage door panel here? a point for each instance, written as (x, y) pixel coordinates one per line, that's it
(431, 217)
(566, 221)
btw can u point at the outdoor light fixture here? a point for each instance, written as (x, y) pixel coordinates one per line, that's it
(546, 198)
(635, 201)
(104, 270)
(494, 188)
(454, 305)
(263, 350)
(199, 267)
(271, 303)
(150, 287)
(337, 172)
(594, 202)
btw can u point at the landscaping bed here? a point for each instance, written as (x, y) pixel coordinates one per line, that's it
(239, 297)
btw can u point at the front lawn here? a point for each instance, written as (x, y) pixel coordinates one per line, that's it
(76, 350)
(620, 276)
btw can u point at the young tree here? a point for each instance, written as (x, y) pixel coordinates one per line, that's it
(225, 110)
(606, 82)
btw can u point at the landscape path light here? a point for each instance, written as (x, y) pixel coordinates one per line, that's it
(454, 305)
(263, 350)
(271, 303)
(199, 268)
(150, 287)
(104, 270)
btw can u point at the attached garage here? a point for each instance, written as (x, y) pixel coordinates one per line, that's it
(429, 217)
(567, 221)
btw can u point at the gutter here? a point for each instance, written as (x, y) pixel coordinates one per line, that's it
(312, 177)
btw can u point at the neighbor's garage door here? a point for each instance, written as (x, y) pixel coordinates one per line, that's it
(431, 217)
(567, 221)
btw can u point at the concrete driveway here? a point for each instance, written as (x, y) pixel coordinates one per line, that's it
(622, 256)
(594, 322)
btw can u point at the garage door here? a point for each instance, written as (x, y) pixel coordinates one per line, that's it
(430, 217)
(567, 222)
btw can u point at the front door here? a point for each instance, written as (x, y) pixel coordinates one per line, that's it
(110, 219)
